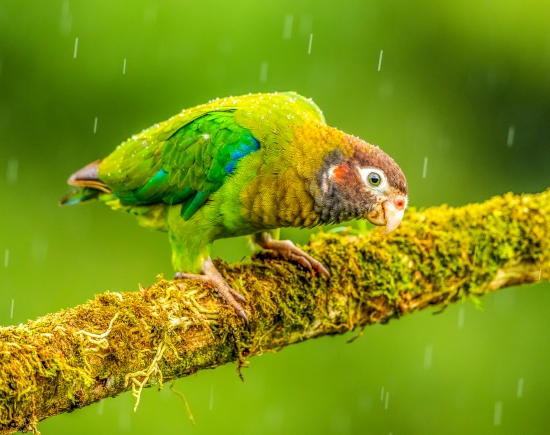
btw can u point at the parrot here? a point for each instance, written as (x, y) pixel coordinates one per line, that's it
(245, 165)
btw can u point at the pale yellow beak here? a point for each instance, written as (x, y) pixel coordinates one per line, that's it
(390, 214)
(376, 217)
(394, 216)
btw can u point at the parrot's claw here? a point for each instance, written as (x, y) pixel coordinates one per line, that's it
(215, 279)
(289, 251)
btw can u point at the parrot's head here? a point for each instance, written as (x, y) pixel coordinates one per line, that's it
(368, 184)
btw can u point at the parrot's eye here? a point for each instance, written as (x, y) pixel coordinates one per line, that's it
(374, 178)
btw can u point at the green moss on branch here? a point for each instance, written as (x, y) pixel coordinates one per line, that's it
(118, 342)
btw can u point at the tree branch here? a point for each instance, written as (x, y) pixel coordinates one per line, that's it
(118, 342)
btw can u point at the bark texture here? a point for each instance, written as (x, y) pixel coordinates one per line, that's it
(117, 342)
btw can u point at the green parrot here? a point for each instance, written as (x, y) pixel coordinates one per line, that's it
(245, 165)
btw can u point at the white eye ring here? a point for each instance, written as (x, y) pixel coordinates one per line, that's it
(369, 176)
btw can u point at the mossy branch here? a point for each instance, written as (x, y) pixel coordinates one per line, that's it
(117, 342)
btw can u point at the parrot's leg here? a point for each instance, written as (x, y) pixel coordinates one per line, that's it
(215, 279)
(289, 251)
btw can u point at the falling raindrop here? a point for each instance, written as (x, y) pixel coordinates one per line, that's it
(211, 398)
(428, 354)
(310, 42)
(387, 400)
(520, 388)
(460, 317)
(380, 60)
(66, 22)
(95, 125)
(12, 305)
(75, 47)
(287, 28)
(511, 132)
(13, 168)
(124, 67)
(425, 167)
(263, 72)
(100, 407)
(498, 413)
(382, 394)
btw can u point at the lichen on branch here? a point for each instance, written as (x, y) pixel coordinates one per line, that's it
(122, 341)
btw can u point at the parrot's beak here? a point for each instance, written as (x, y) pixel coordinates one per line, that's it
(390, 214)
(376, 216)
(393, 212)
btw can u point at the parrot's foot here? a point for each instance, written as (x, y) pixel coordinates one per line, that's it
(215, 279)
(289, 251)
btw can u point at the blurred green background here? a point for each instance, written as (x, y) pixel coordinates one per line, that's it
(464, 84)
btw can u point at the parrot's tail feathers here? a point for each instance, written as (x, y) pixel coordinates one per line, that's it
(88, 177)
(88, 183)
(80, 195)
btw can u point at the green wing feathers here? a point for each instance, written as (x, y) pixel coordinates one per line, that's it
(186, 168)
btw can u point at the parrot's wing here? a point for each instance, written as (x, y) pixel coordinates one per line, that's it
(187, 167)
(200, 156)
(188, 157)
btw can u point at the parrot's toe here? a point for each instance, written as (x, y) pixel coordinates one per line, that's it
(215, 279)
(237, 295)
(289, 251)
